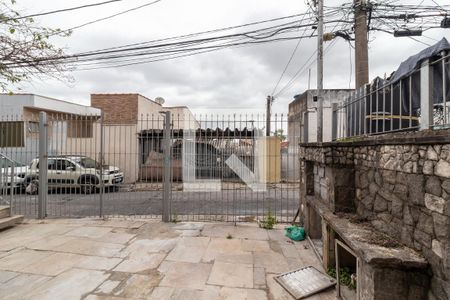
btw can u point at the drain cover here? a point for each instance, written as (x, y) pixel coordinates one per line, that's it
(304, 282)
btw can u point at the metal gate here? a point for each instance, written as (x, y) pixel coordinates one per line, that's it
(165, 165)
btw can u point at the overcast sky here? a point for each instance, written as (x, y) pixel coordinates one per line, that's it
(227, 79)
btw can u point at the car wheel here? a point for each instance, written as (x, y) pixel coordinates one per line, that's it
(88, 186)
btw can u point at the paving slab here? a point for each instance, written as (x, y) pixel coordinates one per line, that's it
(218, 246)
(162, 293)
(147, 260)
(208, 293)
(7, 275)
(189, 226)
(259, 278)
(189, 233)
(184, 253)
(218, 230)
(97, 263)
(231, 275)
(138, 286)
(89, 232)
(103, 297)
(142, 263)
(272, 262)
(21, 285)
(54, 264)
(194, 241)
(185, 275)
(257, 246)
(242, 294)
(71, 284)
(90, 247)
(49, 243)
(116, 237)
(107, 287)
(239, 257)
(142, 246)
(251, 233)
(22, 259)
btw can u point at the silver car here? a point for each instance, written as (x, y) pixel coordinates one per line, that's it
(12, 173)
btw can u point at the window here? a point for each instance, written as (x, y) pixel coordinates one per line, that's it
(11, 134)
(80, 129)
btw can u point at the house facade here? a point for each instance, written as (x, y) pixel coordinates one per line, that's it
(19, 125)
(127, 121)
(302, 116)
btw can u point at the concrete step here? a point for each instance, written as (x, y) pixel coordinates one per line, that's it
(10, 221)
(4, 211)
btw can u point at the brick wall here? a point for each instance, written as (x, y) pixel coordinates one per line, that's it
(117, 108)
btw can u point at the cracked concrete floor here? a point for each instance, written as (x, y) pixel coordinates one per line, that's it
(145, 259)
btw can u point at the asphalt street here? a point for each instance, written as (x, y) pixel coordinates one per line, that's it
(224, 205)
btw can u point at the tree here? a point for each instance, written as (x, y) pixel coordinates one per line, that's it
(279, 134)
(25, 49)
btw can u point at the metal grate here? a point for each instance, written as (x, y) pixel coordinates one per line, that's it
(304, 282)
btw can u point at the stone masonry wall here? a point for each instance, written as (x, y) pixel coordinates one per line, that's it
(404, 191)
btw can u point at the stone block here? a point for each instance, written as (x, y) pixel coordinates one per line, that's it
(407, 216)
(397, 208)
(380, 204)
(389, 176)
(431, 153)
(415, 185)
(436, 246)
(410, 167)
(428, 167)
(442, 169)
(401, 191)
(433, 186)
(441, 226)
(407, 236)
(434, 203)
(446, 185)
(423, 238)
(425, 223)
(373, 188)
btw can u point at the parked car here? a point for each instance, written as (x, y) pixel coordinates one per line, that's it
(19, 170)
(73, 171)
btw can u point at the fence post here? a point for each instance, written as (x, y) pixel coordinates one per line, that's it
(167, 168)
(102, 184)
(43, 156)
(426, 96)
(11, 189)
(334, 121)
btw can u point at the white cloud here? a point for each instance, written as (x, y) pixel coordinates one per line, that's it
(239, 77)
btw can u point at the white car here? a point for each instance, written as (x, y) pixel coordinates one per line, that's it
(71, 171)
(8, 166)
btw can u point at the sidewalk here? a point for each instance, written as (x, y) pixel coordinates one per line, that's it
(123, 259)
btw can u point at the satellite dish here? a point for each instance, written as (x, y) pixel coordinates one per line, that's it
(160, 100)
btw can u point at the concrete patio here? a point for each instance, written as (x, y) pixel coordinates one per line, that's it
(144, 259)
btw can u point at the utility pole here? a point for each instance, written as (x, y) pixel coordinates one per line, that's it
(320, 71)
(268, 113)
(361, 52)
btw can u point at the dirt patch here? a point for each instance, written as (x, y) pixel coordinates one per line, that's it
(375, 237)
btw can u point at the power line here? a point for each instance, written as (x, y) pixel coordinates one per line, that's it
(111, 16)
(290, 59)
(64, 10)
(113, 54)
